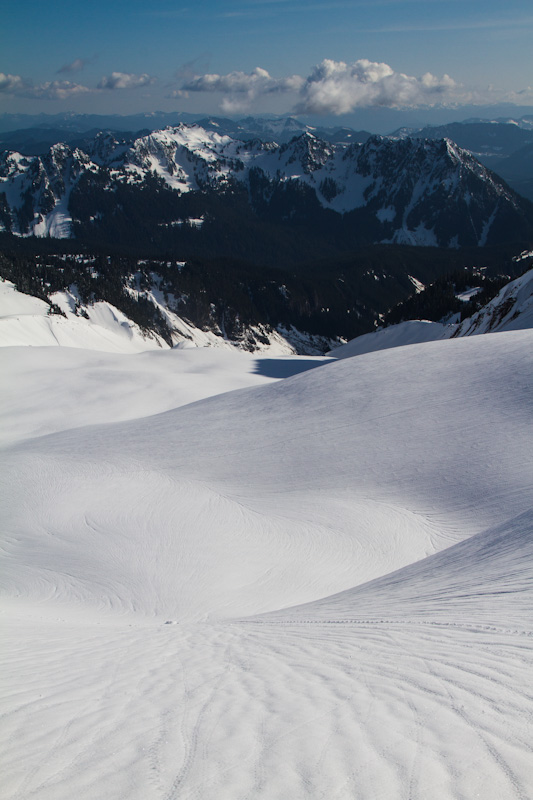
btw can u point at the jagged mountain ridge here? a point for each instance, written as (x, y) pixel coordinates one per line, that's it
(412, 191)
(503, 145)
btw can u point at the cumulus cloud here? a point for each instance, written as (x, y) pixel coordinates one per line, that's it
(333, 87)
(242, 88)
(61, 90)
(51, 90)
(75, 66)
(56, 90)
(258, 81)
(125, 80)
(521, 95)
(337, 88)
(11, 84)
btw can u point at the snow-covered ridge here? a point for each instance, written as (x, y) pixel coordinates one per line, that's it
(37, 190)
(410, 185)
(100, 326)
(510, 310)
(28, 321)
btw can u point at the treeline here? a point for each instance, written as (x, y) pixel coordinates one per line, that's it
(341, 296)
(220, 294)
(268, 223)
(439, 301)
(97, 278)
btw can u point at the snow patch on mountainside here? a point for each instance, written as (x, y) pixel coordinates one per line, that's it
(420, 236)
(58, 223)
(27, 320)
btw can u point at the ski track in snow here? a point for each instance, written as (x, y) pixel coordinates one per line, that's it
(240, 711)
(320, 587)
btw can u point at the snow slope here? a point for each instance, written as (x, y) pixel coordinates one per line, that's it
(293, 462)
(337, 632)
(26, 320)
(46, 390)
(487, 578)
(413, 331)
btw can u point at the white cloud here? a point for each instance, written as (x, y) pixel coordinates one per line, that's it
(61, 90)
(125, 80)
(242, 88)
(11, 84)
(51, 90)
(337, 88)
(56, 90)
(333, 87)
(522, 96)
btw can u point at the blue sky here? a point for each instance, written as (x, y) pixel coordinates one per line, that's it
(263, 56)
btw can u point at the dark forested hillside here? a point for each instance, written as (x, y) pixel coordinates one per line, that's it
(341, 296)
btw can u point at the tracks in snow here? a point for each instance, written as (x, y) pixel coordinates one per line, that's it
(260, 711)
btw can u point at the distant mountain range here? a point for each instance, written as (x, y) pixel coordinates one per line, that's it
(197, 190)
(34, 135)
(261, 228)
(488, 139)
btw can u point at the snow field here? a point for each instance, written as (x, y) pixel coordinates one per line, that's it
(318, 587)
(49, 389)
(241, 711)
(318, 490)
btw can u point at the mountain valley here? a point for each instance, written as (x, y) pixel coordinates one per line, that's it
(266, 467)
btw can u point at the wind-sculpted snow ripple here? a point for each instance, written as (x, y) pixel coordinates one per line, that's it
(245, 711)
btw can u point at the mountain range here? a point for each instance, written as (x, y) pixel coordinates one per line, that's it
(64, 318)
(197, 191)
(231, 571)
